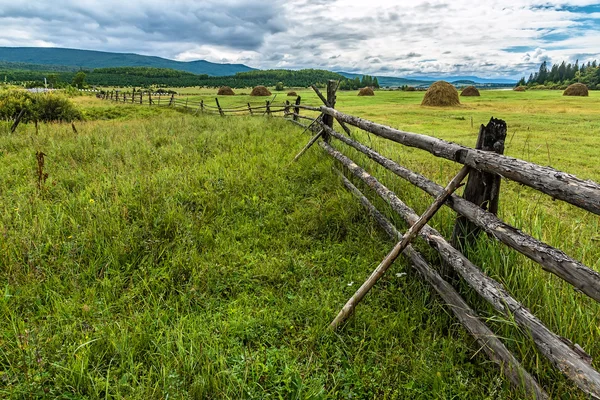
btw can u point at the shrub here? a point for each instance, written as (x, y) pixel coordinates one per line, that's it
(43, 107)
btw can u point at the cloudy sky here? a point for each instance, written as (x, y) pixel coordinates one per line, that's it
(395, 38)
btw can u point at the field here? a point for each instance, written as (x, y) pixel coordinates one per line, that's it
(177, 256)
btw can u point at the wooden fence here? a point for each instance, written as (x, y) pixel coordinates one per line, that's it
(476, 211)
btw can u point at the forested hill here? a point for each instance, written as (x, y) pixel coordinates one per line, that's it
(88, 59)
(146, 77)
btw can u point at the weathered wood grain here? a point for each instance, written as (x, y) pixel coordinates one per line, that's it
(550, 259)
(488, 341)
(558, 184)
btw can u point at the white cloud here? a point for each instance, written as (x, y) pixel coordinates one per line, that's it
(489, 38)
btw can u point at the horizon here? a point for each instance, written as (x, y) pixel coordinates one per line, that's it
(420, 38)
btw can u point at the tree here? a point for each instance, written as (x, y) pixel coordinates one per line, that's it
(79, 80)
(542, 75)
(53, 79)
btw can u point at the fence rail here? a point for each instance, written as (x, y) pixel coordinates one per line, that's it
(567, 357)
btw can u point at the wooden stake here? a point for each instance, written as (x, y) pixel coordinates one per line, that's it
(310, 143)
(219, 107)
(297, 109)
(489, 342)
(17, 120)
(348, 309)
(250, 109)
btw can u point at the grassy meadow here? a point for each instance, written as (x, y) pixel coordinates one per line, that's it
(177, 256)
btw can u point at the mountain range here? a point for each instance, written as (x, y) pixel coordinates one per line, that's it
(99, 59)
(60, 59)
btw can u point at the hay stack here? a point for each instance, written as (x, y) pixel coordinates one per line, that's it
(470, 91)
(260, 91)
(576, 89)
(225, 91)
(292, 94)
(519, 89)
(366, 91)
(441, 94)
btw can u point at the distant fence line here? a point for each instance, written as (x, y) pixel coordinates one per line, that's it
(476, 211)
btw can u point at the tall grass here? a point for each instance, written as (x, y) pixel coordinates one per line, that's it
(183, 257)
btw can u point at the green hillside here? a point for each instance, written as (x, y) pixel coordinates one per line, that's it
(146, 76)
(99, 59)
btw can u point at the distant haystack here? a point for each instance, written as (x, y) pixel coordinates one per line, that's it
(470, 91)
(292, 94)
(576, 89)
(225, 91)
(366, 91)
(441, 94)
(260, 91)
(519, 89)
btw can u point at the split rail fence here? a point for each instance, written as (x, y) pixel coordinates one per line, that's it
(476, 211)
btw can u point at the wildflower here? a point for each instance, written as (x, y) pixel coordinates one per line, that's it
(400, 274)
(92, 201)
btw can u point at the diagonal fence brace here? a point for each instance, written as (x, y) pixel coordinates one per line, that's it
(348, 309)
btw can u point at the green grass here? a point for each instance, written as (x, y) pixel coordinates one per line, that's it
(172, 256)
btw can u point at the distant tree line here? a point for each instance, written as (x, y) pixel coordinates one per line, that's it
(559, 76)
(147, 77)
(357, 83)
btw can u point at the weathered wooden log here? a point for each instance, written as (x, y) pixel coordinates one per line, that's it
(268, 110)
(219, 107)
(570, 361)
(550, 259)
(332, 87)
(308, 145)
(299, 124)
(297, 108)
(558, 184)
(483, 188)
(488, 341)
(414, 230)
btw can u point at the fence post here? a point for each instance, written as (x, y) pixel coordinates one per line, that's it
(268, 108)
(141, 97)
(286, 109)
(124, 98)
(172, 99)
(149, 98)
(328, 119)
(219, 107)
(132, 95)
(250, 109)
(297, 109)
(483, 189)
(202, 106)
